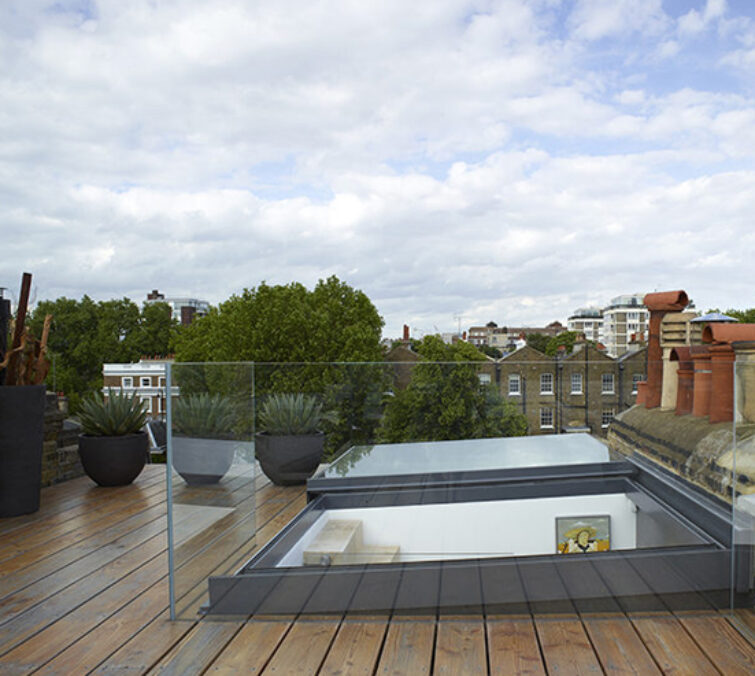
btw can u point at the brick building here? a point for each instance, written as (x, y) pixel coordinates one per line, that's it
(146, 379)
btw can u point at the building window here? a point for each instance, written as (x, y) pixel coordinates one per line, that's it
(484, 378)
(145, 381)
(576, 383)
(606, 417)
(606, 384)
(546, 383)
(546, 418)
(515, 385)
(127, 381)
(161, 381)
(147, 401)
(636, 379)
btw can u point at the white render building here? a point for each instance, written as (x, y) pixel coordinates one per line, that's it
(587, 320)
(146, 379)
(184, 309)
(625, 320)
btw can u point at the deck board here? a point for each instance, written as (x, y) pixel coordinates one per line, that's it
(83, 588)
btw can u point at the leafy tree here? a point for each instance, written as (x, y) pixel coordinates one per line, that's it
(491, 351)
(445, 400)
(85, 334)
(538, 340)
(743, 316)
(300, 341)
(565, 338)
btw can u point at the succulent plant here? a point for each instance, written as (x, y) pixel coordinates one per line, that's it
(290, 414)
(118, 415)
(205, 416)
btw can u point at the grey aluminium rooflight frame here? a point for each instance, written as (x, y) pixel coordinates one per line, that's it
(693, 573)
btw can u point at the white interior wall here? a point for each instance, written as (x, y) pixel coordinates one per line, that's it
(475, 529)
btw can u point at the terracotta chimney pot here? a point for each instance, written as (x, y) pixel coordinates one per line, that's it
(722, 383)
(659, 304)
(701, 384)
(686, 377)
(728, 333)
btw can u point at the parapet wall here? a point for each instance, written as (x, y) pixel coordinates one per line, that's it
(60, 458)
(691, 447)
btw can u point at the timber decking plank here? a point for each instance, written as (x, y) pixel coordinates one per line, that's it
(251, 648)
(619, 648)
(107, 567)
(460, 647)
(148, 645)
(87, 512)
(89, 650)
(197, 650)
(53, 637)
(729, 651)
(191, 584)
(671, 647)
(145, 647)
(74, 496)
(565, 646)
(513, 647)
(82, 553)
(57, 634)
(408, 647)
(356, 648)
(304, 647)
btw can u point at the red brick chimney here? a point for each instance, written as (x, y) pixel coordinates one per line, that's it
(406, 333)
(686, 376)
(722, 366)
(659, 304)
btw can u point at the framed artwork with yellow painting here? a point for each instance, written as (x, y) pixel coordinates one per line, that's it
(583, 534)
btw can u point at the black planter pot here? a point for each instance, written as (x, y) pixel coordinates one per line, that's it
(202, 461)
(289, 460)
(22, 432)
(113, 461)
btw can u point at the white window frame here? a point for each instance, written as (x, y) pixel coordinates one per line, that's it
(603, 389)
(606, 416)
(149, 402)
(484, 378)
(545, 415)
(161, 405)
(142, 383)
(127, 382)
(577, 390)
(515, 378)
(546, 379)
(636, 379)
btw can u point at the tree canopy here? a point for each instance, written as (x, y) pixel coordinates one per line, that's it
(538, 340)
(287, 323)
(743, 316)
(85, 334)
(300, 341)
(445, 400)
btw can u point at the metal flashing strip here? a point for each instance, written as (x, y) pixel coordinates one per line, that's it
(557, 473)
(659, 579)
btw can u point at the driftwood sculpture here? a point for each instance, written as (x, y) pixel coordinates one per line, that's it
(26, 363)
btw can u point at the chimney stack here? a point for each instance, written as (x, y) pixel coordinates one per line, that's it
(659, 305)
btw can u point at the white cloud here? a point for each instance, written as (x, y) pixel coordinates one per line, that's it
(479, 157)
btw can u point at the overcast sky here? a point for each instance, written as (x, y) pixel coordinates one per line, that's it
(504, 160)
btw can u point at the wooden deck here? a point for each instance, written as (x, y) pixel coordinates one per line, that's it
(84, 589)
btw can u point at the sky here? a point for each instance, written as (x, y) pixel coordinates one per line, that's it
(458, 161)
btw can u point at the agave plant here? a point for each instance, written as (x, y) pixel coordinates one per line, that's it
(206, 416)
(118, 415)
(291, 414)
